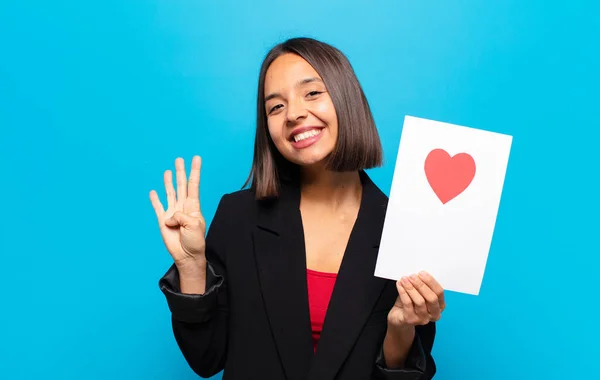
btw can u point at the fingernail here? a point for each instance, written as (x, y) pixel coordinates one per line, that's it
(423, 274)
(414, 277)
(405, 281)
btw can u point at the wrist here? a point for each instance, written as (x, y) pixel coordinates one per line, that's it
(192, 276)
(192, 268)
(401, 330)
(396, 345)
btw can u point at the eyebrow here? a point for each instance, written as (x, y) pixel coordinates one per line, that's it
(300, 83)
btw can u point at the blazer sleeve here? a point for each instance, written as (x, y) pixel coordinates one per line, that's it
(419, 363)
(199, 321)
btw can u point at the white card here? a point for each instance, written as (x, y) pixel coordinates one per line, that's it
(443, 203)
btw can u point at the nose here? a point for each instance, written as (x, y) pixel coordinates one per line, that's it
(296, 110)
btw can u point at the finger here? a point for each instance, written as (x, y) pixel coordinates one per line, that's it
(193, 190)
(170, 189)
(431, 299)
(181, 179)
(180, 219)
(435, 287)
(157, 205)
(417, 299)
(406, 302)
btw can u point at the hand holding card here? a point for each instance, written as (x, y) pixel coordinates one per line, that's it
(420, 301)
(443, 203)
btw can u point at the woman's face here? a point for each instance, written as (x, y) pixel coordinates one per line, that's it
(300, 114)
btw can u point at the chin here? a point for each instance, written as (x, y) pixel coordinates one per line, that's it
(313, 161)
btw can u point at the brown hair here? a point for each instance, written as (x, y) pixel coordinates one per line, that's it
(358, 146)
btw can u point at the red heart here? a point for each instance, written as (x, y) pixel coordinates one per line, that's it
(449, 176)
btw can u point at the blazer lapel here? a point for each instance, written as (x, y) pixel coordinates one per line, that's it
(281, 261)
(356, 290)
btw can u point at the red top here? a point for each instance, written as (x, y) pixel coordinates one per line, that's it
(320, 287)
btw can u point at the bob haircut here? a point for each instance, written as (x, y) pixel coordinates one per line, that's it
(358, 145)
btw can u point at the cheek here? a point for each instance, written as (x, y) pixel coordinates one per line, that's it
(326, 112)
(274, 132)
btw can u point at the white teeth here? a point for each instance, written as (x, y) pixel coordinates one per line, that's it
(307, 134)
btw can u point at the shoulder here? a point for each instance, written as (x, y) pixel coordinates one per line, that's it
(244, 197)
(239, 202)
(375, 196)
(235, 212)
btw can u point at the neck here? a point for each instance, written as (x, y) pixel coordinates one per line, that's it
(332, 189)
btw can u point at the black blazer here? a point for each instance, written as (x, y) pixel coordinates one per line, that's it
(253, 320)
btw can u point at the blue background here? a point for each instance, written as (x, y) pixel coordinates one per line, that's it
(97, 99)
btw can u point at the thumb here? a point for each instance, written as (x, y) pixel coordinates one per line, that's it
(178, 219)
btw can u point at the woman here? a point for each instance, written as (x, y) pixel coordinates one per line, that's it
(283, 286)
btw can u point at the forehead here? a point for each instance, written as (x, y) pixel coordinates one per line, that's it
(287, 70)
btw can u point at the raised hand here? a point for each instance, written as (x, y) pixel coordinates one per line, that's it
(182, 225)
(420, 301)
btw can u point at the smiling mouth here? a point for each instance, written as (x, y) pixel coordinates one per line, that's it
(306, 135)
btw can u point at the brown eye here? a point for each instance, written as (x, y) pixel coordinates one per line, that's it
(314, 93)
(273, 109)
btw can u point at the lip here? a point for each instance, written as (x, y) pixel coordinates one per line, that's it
(306, 142)
(302, 130)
